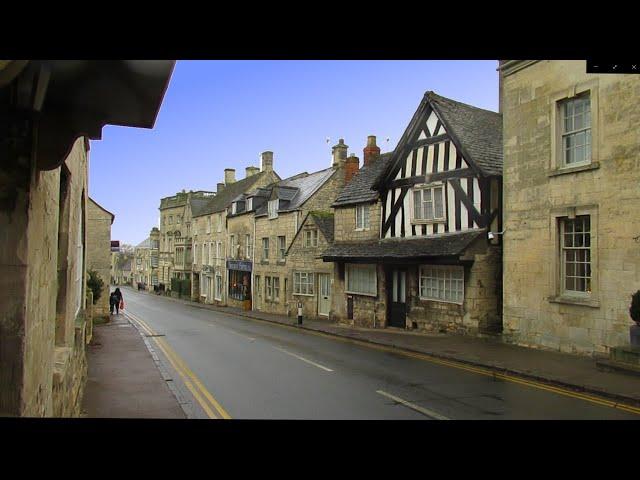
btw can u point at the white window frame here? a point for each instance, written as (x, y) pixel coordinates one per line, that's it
(447, 281)
(218, 252)
(275, 285)
(432, 188)
(234, 207)
(298, 283)
(564, 134)
(219, 222)
(248, 251)
(268, 292)
(564, 250)
(282, 246)
(362, 266)
(362, 217)
(272, 207)
(311, 238)
(265, 248)
(232, 243)
(249, 204)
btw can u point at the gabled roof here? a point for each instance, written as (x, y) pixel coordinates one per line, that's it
(476, 133)
(222, 199)
(479, 131)
(145, 243)
(297, 189)
(325, 223)
(103, 209)
(360, 188)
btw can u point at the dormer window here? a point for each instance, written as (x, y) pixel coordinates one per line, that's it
(234, 208)
(249, 204)
(273, 208)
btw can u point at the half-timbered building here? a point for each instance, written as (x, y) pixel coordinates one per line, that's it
(433, 265)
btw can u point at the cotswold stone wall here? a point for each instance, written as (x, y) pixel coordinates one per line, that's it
(345, 224)
(479, 312)
(99, 251)
(534, 197)
(305, 259)
(368, 311)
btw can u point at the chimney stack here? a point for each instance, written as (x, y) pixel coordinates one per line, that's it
(351, 167)
(371, 151)
(220, 187)
(267, 162)
(229, 176)
(339, 152)
(251, 171)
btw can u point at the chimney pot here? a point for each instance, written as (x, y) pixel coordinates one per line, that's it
(339, 152)
(351, 167)
(220, 187)
(266, 162)
(229, 175)
(250, 171)
(371, 151)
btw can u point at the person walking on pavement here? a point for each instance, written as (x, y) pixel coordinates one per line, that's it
(114, 302)
(120, 301)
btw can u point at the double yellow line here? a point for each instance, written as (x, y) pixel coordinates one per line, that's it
(470, 368)
(209, 404)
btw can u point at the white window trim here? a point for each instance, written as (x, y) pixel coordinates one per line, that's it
(309, 274)
(556, 127)
(367, 216)
(249, 204)
(282, 250)
(272, 208)
(563, 289)
(440, 267)
(215, 288)
(346, 279)
(428, 186)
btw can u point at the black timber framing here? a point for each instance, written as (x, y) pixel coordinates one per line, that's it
(433, 177)
(398, 202)
(461, 196)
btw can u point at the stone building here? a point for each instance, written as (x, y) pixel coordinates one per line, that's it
(280, 210)
(571, 197)
(145, 262)
(99, 221)
(311, 278)
(176, 256)
(424, 260)
(49, 110)
(218, 240)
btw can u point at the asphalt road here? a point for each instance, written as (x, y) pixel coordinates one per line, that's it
(229, 366)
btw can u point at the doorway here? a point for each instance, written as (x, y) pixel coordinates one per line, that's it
(324, 294)
(397, 297)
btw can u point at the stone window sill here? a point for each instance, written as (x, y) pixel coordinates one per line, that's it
(567, 300)
(581, 168)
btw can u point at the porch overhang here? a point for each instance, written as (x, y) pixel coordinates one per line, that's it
(443, 247)
(67, 99)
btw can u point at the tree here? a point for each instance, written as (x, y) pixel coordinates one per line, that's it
(95, 283)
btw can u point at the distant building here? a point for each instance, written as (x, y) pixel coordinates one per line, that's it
(145, 265)
(99, 221)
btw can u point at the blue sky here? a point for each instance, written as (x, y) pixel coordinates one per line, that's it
(222, 114)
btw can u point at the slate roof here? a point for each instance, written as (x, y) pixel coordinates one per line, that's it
(478, 130)
(305, 186)
(360, 188)
(197, 204)
(145, 243)
(446, 244)
(226, 196)
(325, 224)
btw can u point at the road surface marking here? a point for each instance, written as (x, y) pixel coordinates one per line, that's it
(424, 411)
(303, 359)
(185, 372)
(461, 366)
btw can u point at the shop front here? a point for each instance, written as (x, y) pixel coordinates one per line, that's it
(239, 294)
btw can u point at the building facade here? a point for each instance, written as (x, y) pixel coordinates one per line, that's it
(145, 262)
(279, 212)
(433, 266)
(43, 215)
(572, 168)
(176, 255)
(99, 223)
(214, 245)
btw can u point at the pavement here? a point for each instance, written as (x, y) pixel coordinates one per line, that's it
(124, 379)
(574, 372)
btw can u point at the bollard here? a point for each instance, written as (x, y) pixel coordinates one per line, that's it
(299, 313)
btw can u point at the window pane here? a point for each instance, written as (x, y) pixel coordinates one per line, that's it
(438, 202)
(417, 204)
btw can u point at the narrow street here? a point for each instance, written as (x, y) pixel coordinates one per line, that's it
(225, 366)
